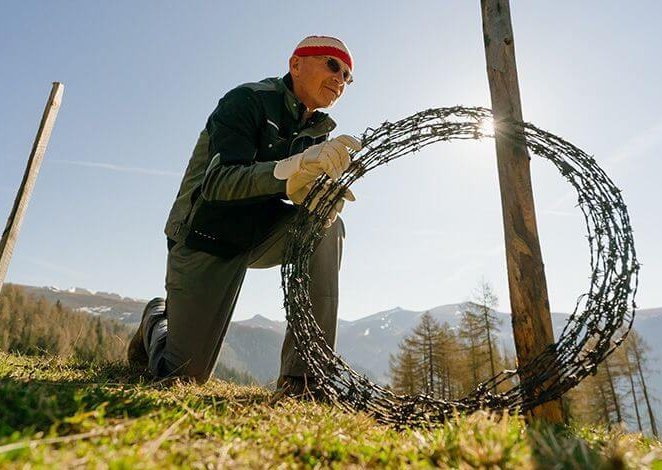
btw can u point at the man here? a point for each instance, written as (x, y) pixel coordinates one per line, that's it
(264, 142)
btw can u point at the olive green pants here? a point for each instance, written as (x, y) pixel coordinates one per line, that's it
(202, 293)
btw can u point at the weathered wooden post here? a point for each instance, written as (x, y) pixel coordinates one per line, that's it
(532, 322)
(15, 219)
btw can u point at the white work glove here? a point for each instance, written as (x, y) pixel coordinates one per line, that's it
(300, 170)
(337, 208)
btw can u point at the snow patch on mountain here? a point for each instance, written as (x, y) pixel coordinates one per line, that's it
(96, 310)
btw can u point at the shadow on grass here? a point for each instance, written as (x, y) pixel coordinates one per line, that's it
(30, 403)
(55, 396)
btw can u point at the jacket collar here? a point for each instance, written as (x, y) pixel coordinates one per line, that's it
(296, 108)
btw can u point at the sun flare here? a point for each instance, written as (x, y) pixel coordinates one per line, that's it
(487, 127)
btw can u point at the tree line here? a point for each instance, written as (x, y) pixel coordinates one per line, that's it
(618, 393)
(448, 363)
(34, 326)
(38, 327)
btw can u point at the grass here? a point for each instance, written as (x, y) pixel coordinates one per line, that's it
(55, 413)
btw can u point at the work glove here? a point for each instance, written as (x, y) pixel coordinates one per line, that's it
(348, 195)
(300, 170)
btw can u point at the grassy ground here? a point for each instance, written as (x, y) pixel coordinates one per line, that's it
(62, 414)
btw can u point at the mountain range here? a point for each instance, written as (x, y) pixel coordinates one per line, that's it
(253, 345)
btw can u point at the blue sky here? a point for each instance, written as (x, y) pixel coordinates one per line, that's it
(142, 77)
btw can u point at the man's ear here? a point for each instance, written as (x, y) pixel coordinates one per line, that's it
(295, 66)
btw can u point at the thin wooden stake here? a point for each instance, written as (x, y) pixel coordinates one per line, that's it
(15, 219)
(532, 322)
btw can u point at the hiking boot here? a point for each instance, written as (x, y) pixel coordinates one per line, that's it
(136, 352)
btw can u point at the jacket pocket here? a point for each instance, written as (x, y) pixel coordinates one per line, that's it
(272, 146)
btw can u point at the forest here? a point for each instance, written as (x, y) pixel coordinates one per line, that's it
(36, 327)
(438, 361)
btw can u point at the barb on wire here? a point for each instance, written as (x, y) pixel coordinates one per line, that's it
(601, 318)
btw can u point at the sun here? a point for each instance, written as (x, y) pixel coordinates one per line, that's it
(487, 127)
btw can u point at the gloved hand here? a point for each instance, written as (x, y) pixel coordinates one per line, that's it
(300, 170)
(348, 195)
(333, 215)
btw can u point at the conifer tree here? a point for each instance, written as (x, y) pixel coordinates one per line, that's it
(448, 363)
(422, 344)
(633, 391)
(612, 390)
(603, 397)
(471, 334)
(403, 367)
(637, 351)
(428, 361)
(486, 300)
(34, 326)
(478, 328)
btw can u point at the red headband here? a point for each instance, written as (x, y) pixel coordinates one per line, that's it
(324, 45)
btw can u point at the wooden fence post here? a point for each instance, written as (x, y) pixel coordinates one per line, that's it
(532, 322)
(15, 219)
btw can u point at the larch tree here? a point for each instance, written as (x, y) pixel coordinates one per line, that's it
(422, 343)
(404, 368)
(638, 350)
(478, 328)
(470, 334)
(486, 300)
(429, 361)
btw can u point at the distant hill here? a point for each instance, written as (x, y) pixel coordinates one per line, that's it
(253, 345)
(108, 305)
(36, 326)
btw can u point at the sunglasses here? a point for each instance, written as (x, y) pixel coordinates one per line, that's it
(334, 66)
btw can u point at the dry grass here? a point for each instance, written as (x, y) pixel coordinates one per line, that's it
(63, 414)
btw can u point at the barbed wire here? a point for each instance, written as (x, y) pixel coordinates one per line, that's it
(600, 321)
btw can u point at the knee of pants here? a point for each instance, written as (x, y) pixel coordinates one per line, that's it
(338, 227)
(334, 233)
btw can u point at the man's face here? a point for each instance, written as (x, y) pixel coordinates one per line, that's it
(316, 84)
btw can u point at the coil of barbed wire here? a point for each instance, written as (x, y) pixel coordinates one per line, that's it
(601, 319)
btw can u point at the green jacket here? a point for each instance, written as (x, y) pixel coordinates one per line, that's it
(229, 200)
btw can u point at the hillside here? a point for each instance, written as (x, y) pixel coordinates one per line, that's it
(43, 325)
(60, 414)
(253, 345)
(105, 304)
(30, 325)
